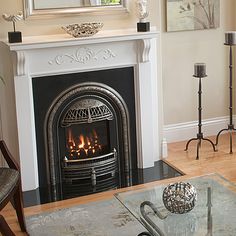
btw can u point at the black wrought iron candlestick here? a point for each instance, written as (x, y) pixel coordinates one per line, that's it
(230, 40)
(199, 72)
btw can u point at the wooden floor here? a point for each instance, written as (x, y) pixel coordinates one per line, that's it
(209, 162)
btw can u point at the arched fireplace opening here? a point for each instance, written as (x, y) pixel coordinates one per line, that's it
(88, 142)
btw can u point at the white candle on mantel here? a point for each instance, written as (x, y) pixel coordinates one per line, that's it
(230, 38)
(200, 70)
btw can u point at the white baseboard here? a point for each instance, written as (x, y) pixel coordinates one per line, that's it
(185, 131)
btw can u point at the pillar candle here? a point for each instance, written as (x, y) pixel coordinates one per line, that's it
(200, 70)
(230, 37)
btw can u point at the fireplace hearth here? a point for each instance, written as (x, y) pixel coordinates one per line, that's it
(161, 170)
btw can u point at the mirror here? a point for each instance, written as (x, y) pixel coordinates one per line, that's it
(44, 8)
(46, 4)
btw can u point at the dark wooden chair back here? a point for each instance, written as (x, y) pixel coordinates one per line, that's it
(10, 189)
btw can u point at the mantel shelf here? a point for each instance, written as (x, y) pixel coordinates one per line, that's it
(46, 41)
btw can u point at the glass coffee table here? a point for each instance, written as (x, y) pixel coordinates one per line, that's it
(214, 212)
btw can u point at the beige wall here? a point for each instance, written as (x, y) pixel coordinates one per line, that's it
(180, 50)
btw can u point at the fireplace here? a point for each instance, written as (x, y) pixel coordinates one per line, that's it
(52, 58)
(88, 140)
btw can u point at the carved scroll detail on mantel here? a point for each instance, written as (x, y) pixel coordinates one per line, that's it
(20, 65)
(83, 55)
(144, 45)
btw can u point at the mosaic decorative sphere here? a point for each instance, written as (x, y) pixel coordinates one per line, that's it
(179, 198)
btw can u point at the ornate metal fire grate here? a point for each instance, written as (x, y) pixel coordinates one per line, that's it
(89, 175)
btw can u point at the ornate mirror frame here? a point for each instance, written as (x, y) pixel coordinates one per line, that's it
(30, 11)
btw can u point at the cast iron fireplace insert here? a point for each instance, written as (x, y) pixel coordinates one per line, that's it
(88, 142)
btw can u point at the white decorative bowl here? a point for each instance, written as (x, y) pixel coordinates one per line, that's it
(83, 30)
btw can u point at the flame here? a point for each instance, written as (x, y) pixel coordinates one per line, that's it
(71, 142)
(95, 135)
(82, 142)
(83, 145)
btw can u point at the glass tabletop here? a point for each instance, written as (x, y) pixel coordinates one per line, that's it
(213, 214)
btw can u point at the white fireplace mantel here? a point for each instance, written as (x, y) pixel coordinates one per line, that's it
(39, 56)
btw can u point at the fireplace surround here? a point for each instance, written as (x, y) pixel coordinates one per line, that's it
(43, 56)
(86, 145)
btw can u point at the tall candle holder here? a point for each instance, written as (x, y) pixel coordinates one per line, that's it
(199, 72)
(230, 40)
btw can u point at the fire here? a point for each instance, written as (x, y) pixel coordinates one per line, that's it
(83, 146)
(71, 142)
(82, 142)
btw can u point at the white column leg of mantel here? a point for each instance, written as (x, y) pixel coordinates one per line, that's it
(26, 132)
(148, 110)
(154, 76)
